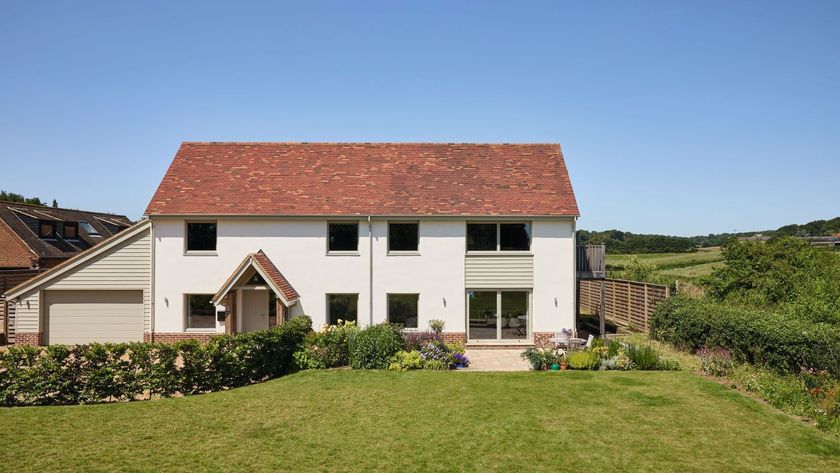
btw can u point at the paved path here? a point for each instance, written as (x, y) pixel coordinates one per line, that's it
(496, 360)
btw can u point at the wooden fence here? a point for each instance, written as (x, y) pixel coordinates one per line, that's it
(627, 303)
(8, 280)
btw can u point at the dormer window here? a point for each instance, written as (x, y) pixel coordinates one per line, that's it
(71, 231)
(46, 229)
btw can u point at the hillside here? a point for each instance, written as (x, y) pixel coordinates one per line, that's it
(619, 242)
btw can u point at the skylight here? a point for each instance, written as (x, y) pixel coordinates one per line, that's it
(86, 226)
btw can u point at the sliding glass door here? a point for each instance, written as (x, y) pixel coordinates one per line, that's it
(498, 315)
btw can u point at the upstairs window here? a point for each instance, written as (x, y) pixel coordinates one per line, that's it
(514, 236)
(46, 229)
(481, 237)
(71, 231)
(86, 226)
(343, 236)
(403, 236)
(201, 236)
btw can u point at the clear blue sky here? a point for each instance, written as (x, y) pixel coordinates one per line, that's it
(675, 117)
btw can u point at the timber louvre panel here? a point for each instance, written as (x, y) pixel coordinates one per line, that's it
(499, 271)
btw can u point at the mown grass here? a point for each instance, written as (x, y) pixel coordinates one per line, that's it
(342, 420)
(665, 261)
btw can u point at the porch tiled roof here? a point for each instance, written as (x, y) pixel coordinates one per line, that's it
(378, 179)
(276, 276)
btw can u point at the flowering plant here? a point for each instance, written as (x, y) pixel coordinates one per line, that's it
(566, 332)
(461, 360)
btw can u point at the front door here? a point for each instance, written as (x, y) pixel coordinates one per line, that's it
(254, 314)
(496, 315)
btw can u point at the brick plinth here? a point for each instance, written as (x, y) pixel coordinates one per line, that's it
(541, 339)
(459, 338)
(29, 338)
(173, 337)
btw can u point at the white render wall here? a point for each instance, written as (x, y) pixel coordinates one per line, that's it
(298, 247)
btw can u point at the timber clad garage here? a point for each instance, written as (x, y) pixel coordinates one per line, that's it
(75, 317)
(101, 295)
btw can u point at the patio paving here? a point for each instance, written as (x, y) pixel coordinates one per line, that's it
(496, 360)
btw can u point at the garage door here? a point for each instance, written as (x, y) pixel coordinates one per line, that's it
(75, 317)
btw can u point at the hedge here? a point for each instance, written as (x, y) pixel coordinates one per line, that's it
(108, 372)
(777, 341)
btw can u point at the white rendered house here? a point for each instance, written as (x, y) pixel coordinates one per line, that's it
(242, 236)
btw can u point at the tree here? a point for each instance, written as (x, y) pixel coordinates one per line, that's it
(55, 204)
(12, 197)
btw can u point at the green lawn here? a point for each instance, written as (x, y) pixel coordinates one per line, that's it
(669, 260)
(342, 420)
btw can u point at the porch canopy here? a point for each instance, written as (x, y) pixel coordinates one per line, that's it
(256, 263)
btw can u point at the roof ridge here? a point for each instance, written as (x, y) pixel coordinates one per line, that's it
(47, 207)
(385, 143)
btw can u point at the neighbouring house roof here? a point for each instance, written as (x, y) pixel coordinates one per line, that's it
(266, 268)
(387, 179)
(74, 262)
(23, 220)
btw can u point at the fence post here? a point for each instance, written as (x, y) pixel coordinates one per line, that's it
(602, 317)
(647, 315)
(629, 304)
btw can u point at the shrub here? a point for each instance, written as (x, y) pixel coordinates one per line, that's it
(105, 372)
(437, 325)
(373, 347)
(786, 274)
(583, 360)
(327, 348)
(619, 361)
(540, 359)
(434, 351)
(645, 357)
(715, 361)
(415, 340)
(406, 360)
(762, 337)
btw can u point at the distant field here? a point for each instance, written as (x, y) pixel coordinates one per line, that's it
(670, 261)
(692, 271)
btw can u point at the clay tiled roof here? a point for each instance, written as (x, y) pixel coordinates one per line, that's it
(388, 179)
(275, 275)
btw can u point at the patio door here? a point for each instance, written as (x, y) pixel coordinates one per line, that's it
(498, 315)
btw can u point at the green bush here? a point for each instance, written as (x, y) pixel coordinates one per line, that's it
(328, 348)
(406, 360)
(583, 360)
(373, 347)
(788, 275)
(757, 336)
(540, 359)
(107, 372)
